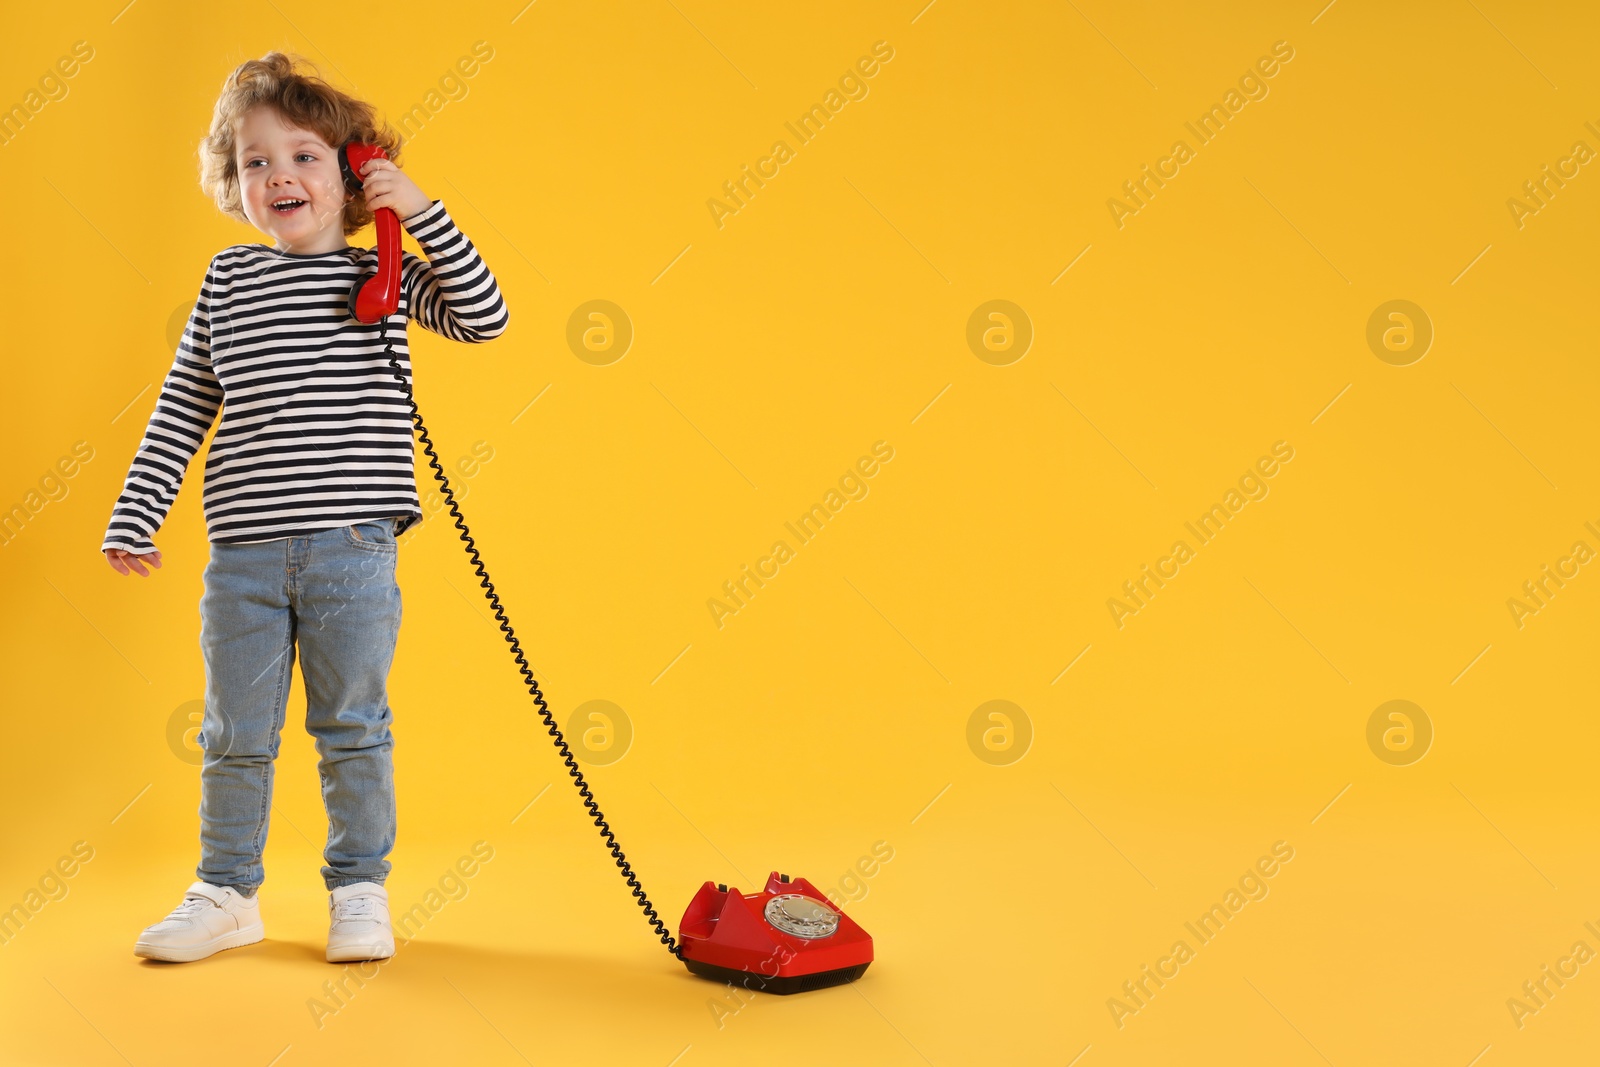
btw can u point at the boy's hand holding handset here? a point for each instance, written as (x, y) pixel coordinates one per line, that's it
(387, 186)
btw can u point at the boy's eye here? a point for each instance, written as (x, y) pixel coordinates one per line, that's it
(298, 155)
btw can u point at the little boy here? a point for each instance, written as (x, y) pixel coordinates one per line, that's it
(309, 481)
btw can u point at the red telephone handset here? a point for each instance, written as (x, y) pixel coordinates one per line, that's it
(376, 296)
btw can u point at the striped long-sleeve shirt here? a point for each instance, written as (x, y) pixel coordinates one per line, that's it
(315, 432)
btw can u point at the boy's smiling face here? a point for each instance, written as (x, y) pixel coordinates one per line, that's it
(279, 163)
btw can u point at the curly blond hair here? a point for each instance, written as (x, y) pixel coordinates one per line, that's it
(303, 99)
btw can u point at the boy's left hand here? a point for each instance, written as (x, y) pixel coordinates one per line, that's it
(386, 185)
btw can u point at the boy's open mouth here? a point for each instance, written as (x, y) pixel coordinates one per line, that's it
(288, 206)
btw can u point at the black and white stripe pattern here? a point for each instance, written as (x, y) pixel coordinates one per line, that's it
(315, 431)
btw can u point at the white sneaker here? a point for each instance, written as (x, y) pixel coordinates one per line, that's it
(210, 919)
(358, 923)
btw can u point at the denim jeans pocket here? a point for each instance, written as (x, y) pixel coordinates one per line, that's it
(375, 534)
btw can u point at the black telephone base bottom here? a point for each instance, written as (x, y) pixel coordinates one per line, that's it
(781, 986)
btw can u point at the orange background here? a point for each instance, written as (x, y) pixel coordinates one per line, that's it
(1039, 860)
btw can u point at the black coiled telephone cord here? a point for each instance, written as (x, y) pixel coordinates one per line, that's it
(522, 662)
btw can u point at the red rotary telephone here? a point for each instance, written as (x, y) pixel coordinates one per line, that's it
(786, 938)
(378, 295)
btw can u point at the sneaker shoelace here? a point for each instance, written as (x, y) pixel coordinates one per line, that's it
(190, 905)
(355, 909)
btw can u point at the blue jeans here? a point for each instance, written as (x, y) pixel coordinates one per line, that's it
(332, 594)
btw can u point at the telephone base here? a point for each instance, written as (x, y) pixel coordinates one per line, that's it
(784, 939)
(780, 985)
